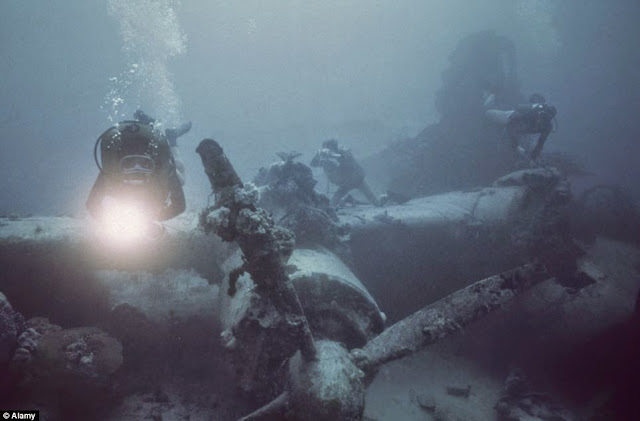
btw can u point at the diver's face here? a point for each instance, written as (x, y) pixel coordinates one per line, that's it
(136, 169)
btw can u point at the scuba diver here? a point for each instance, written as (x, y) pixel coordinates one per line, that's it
(341, 169)
(534, 118)
(141, 166)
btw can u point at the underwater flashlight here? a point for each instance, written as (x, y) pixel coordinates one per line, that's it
(125, 223)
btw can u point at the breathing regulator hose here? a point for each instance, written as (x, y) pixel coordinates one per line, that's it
(95, 152)
(95, 149)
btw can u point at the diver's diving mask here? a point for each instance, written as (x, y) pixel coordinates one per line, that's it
(137, 169)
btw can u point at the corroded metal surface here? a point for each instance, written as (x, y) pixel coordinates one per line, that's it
(447, 316)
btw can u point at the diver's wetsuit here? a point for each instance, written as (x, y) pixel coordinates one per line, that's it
(526, 119)
(343, 170)
(159, 190)
(531, 119)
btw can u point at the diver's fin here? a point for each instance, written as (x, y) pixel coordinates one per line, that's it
(184, 128)
(173, 134)
(288, 156)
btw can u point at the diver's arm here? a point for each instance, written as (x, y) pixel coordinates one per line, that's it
(176, 195)
(343, 155)
(540, 144)
(96, 195)
(324, 155)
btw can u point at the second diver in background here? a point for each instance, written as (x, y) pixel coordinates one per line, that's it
(342, 169)
(536, 117)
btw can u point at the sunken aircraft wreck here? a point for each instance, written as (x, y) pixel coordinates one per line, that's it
(301, 336)
(272, 305)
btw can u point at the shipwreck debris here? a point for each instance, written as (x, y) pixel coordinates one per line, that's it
(324, 380)
(265, 246)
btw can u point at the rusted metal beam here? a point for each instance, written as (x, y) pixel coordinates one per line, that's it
(446, 316)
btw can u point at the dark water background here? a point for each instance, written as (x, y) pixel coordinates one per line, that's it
(262, 77)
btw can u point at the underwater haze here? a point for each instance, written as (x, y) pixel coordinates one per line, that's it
(263, 77)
